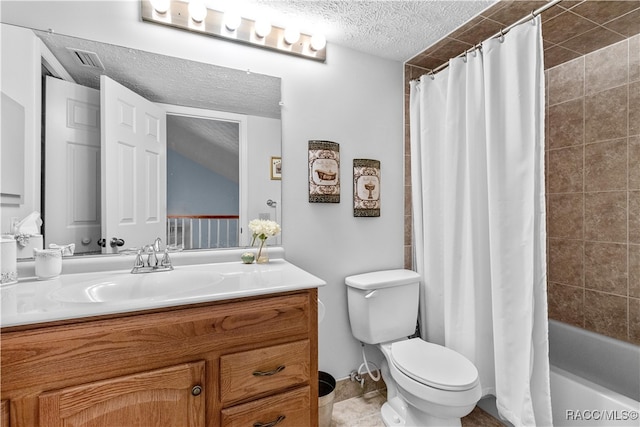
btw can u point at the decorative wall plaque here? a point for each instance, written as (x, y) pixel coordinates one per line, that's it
(366, 187)
(324, 172)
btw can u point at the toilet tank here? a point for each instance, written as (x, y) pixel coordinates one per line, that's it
(383, 305)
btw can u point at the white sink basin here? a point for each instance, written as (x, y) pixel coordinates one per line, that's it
(131, 287)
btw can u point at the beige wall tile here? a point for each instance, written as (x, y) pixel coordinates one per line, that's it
(634, 320)
(634, 108)
(605, 165)
(634, 271)
(565, 216)
(565, 262)
(566, 26)
(634, 163)
(566, 304)
(566, 124)
(601, 12)
(610, 255)
(606, 314)
(566, 81)
(594, 39)
(606, 115)
(565, 170)
(605, 216)
(603, 70)
(634, 216)
(605, 267)
(634, 58)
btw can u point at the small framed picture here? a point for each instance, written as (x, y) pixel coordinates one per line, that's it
(276, 167)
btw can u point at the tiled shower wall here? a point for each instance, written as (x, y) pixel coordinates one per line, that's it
(593, 187)
(593, 191)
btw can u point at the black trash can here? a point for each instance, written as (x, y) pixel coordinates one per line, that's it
(326, 396)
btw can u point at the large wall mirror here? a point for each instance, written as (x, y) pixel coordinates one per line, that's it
(221, 128)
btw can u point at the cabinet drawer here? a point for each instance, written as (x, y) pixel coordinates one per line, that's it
(266, 370)
(289, 409)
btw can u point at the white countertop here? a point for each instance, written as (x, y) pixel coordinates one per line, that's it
(33, 301)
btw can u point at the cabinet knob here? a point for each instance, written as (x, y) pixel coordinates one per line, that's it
(271, 423)
(196, 390)
(268, 373)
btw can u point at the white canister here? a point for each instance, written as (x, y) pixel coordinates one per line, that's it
(48, 263)
(8, 263)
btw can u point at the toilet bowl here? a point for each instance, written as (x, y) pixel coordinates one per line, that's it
(427, 384)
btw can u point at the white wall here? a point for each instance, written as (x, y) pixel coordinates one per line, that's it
(264, 137)
(353, 99)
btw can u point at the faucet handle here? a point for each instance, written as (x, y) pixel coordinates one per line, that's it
(166, 261)
(156, 244)
(138, 262)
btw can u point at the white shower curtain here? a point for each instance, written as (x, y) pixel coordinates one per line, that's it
(477, 150)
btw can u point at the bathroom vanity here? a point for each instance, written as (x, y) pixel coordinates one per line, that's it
(212, 357)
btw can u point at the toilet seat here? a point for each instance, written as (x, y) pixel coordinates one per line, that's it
(434, 365)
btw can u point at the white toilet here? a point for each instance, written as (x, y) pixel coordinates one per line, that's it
(427, 384)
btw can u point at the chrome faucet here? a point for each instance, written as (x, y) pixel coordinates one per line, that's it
(152, 264)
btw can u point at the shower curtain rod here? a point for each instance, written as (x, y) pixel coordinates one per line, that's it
(500, 33)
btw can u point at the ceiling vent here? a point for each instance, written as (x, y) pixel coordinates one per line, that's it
(86, 58)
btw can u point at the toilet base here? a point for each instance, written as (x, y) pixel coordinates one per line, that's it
(397, 413)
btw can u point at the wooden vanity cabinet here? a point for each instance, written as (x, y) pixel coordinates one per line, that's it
(243, 362)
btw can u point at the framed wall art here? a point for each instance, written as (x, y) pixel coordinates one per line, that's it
(324, 172)
(366, 188)
(276, 167)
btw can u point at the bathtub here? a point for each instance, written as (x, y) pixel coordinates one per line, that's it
(595, 380)
(576, 401)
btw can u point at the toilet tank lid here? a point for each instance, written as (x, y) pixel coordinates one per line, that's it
(382, 279)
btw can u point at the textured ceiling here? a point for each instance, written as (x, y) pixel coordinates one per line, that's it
(170, 80)
(396, 30)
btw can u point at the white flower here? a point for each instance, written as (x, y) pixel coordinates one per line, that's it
(263, 228)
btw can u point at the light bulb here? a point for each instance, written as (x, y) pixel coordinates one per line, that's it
(262, 27)
(232, 20)
(197, 10)
(291, 35)
(160, 6)
(318, 41)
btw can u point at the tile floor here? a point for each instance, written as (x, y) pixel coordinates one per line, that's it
(364, 411)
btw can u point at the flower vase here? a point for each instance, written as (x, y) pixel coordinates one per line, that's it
(263, 253)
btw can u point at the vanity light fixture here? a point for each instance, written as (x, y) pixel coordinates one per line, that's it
(291, 35)
(194, 16)
(262, 27)
(318, 42)
(232, 20)
(197, 10)
(160, 6)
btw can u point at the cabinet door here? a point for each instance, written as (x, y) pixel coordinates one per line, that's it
(172, 396)
(4, 413)
(289, 409)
